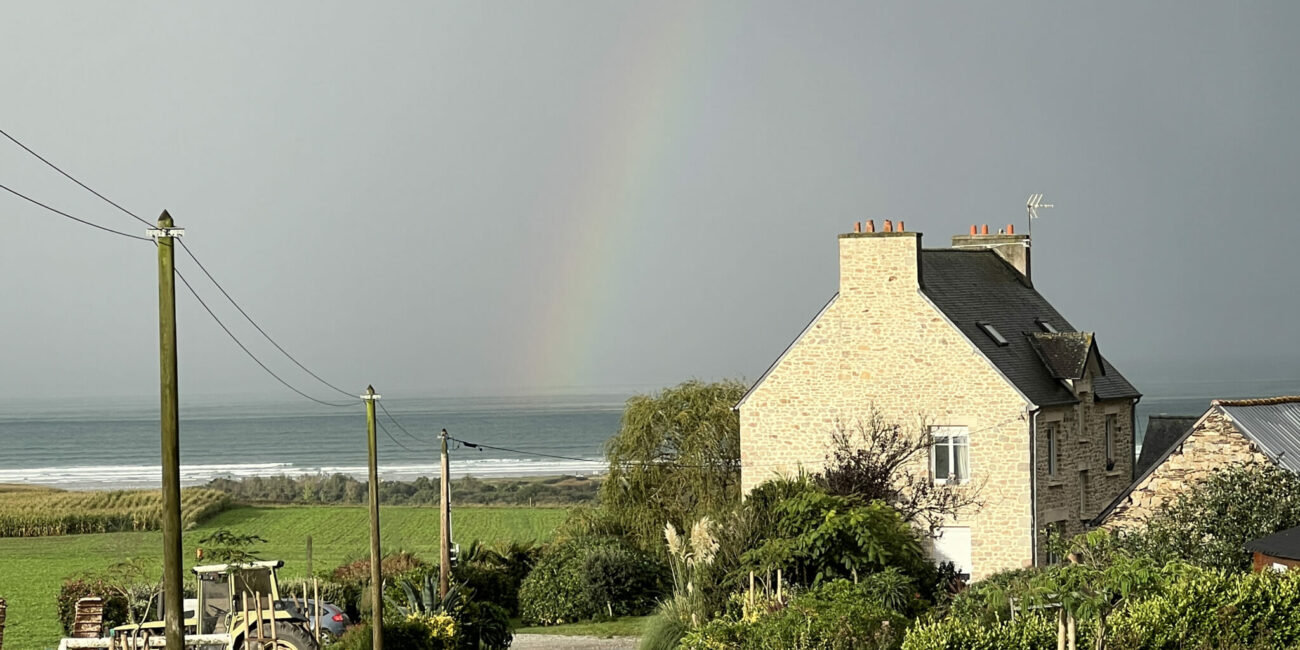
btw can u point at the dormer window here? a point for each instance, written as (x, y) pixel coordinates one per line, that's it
(992, 333)
(1045, 326)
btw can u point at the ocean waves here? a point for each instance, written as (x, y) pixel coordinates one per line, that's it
(93, 477)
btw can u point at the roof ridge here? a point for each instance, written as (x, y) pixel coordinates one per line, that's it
(1257, 401)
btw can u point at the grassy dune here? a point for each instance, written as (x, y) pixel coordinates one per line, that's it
(32, 569)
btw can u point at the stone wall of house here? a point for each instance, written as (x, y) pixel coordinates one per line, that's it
(882, 345)
(1063, 504)
(1213, 443)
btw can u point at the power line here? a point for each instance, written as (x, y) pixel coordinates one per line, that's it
(390, 437)
(183, 246)
(65, 214)
(71, 178)
(402, 428)
(259, 327)
(245, 348)
(479, 445)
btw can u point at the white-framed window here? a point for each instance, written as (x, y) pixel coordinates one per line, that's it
(950, 454)
(1053, 449)
(1279, 567)
(1112, 421)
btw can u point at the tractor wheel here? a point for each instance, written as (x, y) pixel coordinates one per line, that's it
(291, 637)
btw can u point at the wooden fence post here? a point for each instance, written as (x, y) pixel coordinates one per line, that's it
(2, 622)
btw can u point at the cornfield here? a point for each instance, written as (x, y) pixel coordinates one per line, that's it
(47, 513)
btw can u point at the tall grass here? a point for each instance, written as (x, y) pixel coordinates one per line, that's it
(48, 513)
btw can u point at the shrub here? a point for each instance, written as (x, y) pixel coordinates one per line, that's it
(1204, 609)
(393, 564)
(835, 615)
(819, 536)
(115, 604)
(1025, 633)
(671, 621)
(622, 581)
(562, 588)
(1209, 523)
(414, 634)
(494, 574)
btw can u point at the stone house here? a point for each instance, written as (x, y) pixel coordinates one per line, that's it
(1231, 432)
(1019, 404)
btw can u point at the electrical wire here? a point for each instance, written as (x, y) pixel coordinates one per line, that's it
(65, 214)
(479, 445)
(402, 428)
(390, 437)
(71, 178)
(183, 247)
(255, 325)
(245, 348)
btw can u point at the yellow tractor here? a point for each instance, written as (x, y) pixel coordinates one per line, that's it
(238, 608)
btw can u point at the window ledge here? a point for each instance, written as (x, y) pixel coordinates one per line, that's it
(1114, 472)
(1055, 482)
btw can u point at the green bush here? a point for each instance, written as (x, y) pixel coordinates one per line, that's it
(952, 633)
(115, 605)
(569, 583)
(1209, 524)
(819, 536)
(407, 635)
(838, 615)
(494, 574)
(1204, 609)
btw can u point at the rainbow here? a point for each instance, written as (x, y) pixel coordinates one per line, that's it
(624, 165)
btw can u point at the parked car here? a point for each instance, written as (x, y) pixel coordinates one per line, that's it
(333, 620)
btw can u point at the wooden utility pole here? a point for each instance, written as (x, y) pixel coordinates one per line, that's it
(173, 574)
(376, 562)
(444, 524)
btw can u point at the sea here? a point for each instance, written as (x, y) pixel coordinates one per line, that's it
(102, 443)
(93, 444)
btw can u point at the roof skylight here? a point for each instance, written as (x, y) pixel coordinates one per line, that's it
(1045, 326)
(992, 332)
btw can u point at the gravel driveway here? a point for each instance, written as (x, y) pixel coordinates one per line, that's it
(557, 642)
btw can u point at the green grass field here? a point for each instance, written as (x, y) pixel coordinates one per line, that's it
(33, 569)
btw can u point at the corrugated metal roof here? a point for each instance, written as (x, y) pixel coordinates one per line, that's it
(1274, 424)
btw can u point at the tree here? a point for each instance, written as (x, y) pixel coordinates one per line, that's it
(819, 536)
(675, 458)
(229, 547)
(881, 461)
(1210, 523)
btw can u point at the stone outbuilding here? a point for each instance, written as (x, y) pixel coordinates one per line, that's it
(1017, 402)
(1231, 432)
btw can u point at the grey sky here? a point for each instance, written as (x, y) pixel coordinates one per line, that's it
(512, 197)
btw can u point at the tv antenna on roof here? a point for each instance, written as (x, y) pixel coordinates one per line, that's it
(1032, 205)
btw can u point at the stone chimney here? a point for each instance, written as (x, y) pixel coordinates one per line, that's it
(875, 263)
(1006, 243)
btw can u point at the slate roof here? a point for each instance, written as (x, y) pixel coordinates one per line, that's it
(1163, 432)
(976, 286)
(1284, 544)
(1064, 353)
